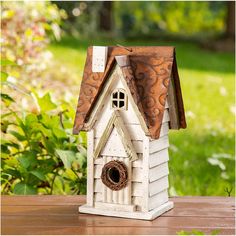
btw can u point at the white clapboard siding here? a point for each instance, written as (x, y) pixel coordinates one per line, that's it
(158, 158)
(158, 185)
(158, 172)
(137, 174)
(139, 162)
(166, 116)
(97, 171)
(164, 129)
(154, 201)
(98, 161)
(159, 144)
(115, 148)
(158, 199)
(137, 189)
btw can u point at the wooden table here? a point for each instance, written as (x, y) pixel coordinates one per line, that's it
(59, 215)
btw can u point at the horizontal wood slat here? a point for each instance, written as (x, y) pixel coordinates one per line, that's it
(59, 215)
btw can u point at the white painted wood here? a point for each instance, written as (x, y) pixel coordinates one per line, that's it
(137, 175)
(121, 192)
(145, 174)
(121, 196)
(115, 207)
(99, 58)
(135, 130)
(90, 166)
(158, 185)
(154, 201)
(167, 104)
(158, 172)
(104, 187)
(98, 161)
(109, 191)
(137, 189)
(164, 129)
(97, 171)
(158, 199)
(98, 197)
(133, 215)
(115, 193)
(116, 148)
(128, 188)
(139, 162)
(166, 116)
(159, 144)
(102, 108)
(98, 186)
(159, 157)
(114, 132)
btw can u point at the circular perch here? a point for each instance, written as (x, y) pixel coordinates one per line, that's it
(115, 175)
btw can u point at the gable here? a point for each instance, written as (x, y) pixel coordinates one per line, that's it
(117, 123)
(147, 72)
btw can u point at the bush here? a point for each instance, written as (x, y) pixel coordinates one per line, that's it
(39, 154)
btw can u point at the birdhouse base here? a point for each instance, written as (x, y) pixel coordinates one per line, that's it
(124, 214)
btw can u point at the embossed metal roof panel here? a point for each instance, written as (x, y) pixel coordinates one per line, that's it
(147, 71)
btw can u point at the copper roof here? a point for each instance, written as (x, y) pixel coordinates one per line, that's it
(147, 72)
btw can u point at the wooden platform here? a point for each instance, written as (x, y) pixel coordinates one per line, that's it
(59, 215)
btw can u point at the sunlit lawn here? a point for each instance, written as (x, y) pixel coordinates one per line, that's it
(202, 156)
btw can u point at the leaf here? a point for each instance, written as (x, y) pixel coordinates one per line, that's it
(12, 172)
(39, 174)
(59, 133)
(6, 62)
(7, 99)
(45, 103)
(80, 159)
(67, 157)
(17, 135)
(27, 159)
(4, 76)
(24, 189)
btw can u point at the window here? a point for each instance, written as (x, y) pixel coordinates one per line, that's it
(119, 99)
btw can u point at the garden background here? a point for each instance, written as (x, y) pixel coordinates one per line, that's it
(43, 51)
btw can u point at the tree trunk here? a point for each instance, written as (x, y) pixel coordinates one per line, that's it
(230, 20)
(105, 21)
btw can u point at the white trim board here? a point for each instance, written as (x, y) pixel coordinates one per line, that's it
(150, 215)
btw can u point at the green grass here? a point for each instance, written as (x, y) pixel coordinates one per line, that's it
(202, 156)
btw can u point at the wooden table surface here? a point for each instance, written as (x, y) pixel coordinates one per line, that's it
(59, 215)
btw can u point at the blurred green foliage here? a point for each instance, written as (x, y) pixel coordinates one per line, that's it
(39, 154)
(145, 18)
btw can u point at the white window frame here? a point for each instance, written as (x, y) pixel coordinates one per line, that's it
(118, 99)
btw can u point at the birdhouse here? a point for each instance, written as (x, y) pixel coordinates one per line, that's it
(129, 99)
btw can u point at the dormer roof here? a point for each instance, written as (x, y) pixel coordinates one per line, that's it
(148, 72)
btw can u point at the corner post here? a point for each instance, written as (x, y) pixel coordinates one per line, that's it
(145, 206)
(90, 168)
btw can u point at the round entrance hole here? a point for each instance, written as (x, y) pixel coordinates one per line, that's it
(115, 175)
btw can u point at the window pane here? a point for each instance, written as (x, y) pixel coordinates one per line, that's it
(122, 95)
(114, 103)
(121, 103)
(115, 95)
